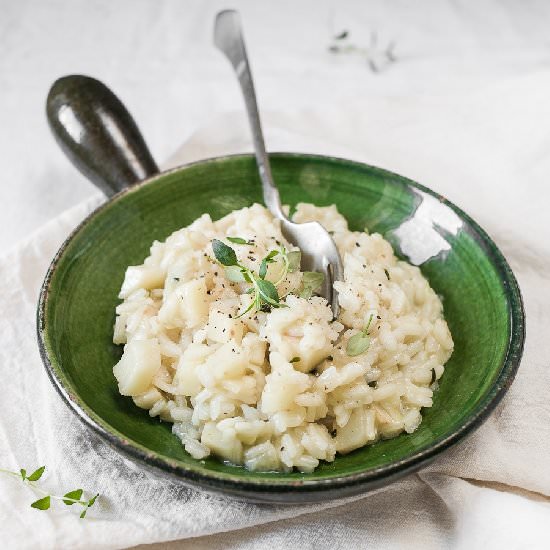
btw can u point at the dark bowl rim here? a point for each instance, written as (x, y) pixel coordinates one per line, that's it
(237, 484)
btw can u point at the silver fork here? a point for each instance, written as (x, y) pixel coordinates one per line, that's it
(319, 253)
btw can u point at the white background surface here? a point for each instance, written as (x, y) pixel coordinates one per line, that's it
(464, 110)
(158, 57)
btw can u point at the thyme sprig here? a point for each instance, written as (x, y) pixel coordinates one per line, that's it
(376, 58)
(44, 503)
(265, 294)
(360, 342)
(291, 262)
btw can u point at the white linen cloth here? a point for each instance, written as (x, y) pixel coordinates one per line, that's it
(493, 490)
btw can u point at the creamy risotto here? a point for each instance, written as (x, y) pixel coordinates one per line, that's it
(224, 338)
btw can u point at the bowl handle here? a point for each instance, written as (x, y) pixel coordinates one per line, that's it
(98, 134)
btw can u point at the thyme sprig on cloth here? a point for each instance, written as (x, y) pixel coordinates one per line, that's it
(44, 502)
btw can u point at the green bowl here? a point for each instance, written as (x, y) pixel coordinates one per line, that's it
(481, 299)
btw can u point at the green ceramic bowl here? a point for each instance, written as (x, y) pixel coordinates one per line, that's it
(481, 299)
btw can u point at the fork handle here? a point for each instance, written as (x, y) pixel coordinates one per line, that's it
(228, 38)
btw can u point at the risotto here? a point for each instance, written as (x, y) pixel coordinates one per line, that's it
(224, 338)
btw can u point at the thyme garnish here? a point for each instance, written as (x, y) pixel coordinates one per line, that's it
(311, 281)
(360, 342)
(240, 240)
(376, 59)
(264, 292)
(43, 503)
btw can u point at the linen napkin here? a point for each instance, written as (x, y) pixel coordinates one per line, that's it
(495, 485)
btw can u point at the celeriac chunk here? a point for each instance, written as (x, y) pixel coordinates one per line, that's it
(186, 306)
(141, 276)
(137, 366)
(357, 432)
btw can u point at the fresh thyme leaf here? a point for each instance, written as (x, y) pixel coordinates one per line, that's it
(342, 35)
(89, 504)
(268, 292)
(387, 274)
(305, 292)
(294, 360)
(239, 240)
(224, 254)
(37, 474)
(41, 503)
(74, 495)
(294, 260)
(234, 274)
(311, 281)
(23, 473)
(358, 344)
(263, 269)
(267, 260)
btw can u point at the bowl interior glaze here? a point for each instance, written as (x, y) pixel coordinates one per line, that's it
(481, 301)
